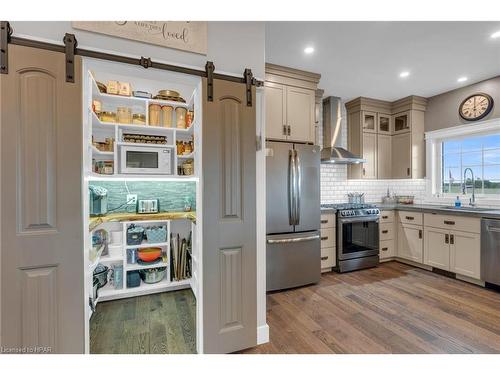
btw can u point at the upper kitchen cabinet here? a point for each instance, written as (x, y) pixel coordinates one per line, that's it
(291, 104)
(399, 150)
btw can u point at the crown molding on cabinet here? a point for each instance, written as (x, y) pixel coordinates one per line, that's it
(408, 103)
(292, 77)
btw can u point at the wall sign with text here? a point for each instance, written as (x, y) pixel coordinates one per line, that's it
(183, 35)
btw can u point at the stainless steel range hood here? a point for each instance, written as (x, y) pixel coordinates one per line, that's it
(332, 151)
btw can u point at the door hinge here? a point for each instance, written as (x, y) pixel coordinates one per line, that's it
(70, 44)
(5, 33)
(146, 62)
(248, 82)
(209, 69)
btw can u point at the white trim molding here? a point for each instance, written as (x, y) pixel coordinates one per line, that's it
(433, 141)
(262, 334)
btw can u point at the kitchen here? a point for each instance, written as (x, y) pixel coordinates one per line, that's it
(302, 203)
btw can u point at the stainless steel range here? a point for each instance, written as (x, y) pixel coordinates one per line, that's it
(357, 236)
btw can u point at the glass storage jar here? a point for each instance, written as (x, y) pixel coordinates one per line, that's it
(180, 115)
(166, 115)
(154, 114)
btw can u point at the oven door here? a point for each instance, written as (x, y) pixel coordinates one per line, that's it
(145, 160)
(357, 237)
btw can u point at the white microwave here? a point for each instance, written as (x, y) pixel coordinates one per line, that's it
(146, 159)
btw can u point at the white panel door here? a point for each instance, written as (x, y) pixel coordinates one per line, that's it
(465, 256)
(42, 264)
(437, 248)
(410, 243)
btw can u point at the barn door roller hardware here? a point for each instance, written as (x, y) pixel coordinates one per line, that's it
(5, 33)
(70, 44)
(70, 50)
(209, 69)
(248, 77)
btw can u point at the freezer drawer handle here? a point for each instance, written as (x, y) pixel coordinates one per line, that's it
(489, 228)
(291, 240)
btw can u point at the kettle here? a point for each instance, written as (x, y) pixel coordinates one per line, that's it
(98, 199)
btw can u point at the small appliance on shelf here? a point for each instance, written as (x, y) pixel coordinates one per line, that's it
(98, 198)
(148, 206)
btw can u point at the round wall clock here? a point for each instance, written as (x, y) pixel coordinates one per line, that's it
(475, 107)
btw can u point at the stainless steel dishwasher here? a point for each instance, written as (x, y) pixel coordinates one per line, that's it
(490, 251)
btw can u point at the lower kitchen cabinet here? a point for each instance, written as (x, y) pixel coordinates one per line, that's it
(410, 242)
(328, 242)
(437, 248)
(387, 249)
(327, 258)
(465, 254)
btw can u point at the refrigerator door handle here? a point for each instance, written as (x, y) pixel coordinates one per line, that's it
(298, 190)
(291, 188)
(295, 239)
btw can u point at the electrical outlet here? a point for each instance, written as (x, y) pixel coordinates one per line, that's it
(131, 198)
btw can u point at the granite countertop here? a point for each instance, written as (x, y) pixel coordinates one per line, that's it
(94, 222)
(464, 211)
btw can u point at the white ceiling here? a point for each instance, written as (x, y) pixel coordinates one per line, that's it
(365, 58)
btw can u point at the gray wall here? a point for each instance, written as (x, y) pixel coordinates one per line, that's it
(232, 46)
(442, 109)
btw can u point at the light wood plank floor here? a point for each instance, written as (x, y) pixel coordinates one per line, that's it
(156, 323)
(393, 308)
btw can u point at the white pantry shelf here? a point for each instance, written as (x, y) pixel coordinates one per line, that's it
(137, 266)
(146, 244)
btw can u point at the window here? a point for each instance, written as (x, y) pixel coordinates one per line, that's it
(481, 153)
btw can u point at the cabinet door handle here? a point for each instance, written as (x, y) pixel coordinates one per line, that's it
(420, 233)
(385, 249)
(385, 231)
(289, 130)
(284, 129)
(449, 222)
(446, 238)
(452, 239)
(385, 217)
(407, 171)
(324, 258)
(324, 238)
(409, 218)
(364, 172)
(324, 221)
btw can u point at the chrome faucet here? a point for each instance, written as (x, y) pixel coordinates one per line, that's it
(472, 200)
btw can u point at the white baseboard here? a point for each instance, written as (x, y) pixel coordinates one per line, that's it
(262, 334)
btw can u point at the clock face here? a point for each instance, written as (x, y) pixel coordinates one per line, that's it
(475, 107)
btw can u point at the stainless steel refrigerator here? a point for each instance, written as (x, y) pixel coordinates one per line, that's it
(293, 255)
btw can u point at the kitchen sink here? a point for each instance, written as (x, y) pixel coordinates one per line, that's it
(478, 209)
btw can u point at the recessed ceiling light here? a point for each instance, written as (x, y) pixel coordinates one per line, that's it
(496, 34)
(308, 50)
(404, 74)
(462, 79)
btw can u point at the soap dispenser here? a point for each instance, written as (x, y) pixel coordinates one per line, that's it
(458, 203)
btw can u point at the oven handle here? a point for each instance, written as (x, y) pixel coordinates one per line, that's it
(359, 219)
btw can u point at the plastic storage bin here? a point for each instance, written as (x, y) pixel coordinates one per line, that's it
(156, 234)
(135, 235)
(133, 279)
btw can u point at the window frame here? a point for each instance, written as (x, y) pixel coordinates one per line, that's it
(434, 141)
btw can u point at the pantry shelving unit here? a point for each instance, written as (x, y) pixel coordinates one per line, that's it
(150, 80)
(110, 292)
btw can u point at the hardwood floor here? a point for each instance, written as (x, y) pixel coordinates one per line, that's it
(157, 323)
(393, 308)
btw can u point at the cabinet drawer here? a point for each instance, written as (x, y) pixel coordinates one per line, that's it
(327, 257)
(410, 217)
(386, 216)
(386, 231)
(458, 223)
(387, 249)
(327, 220)
(327, 237)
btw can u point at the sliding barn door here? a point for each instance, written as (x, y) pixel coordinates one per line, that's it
(229, 223)
(41, 254)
